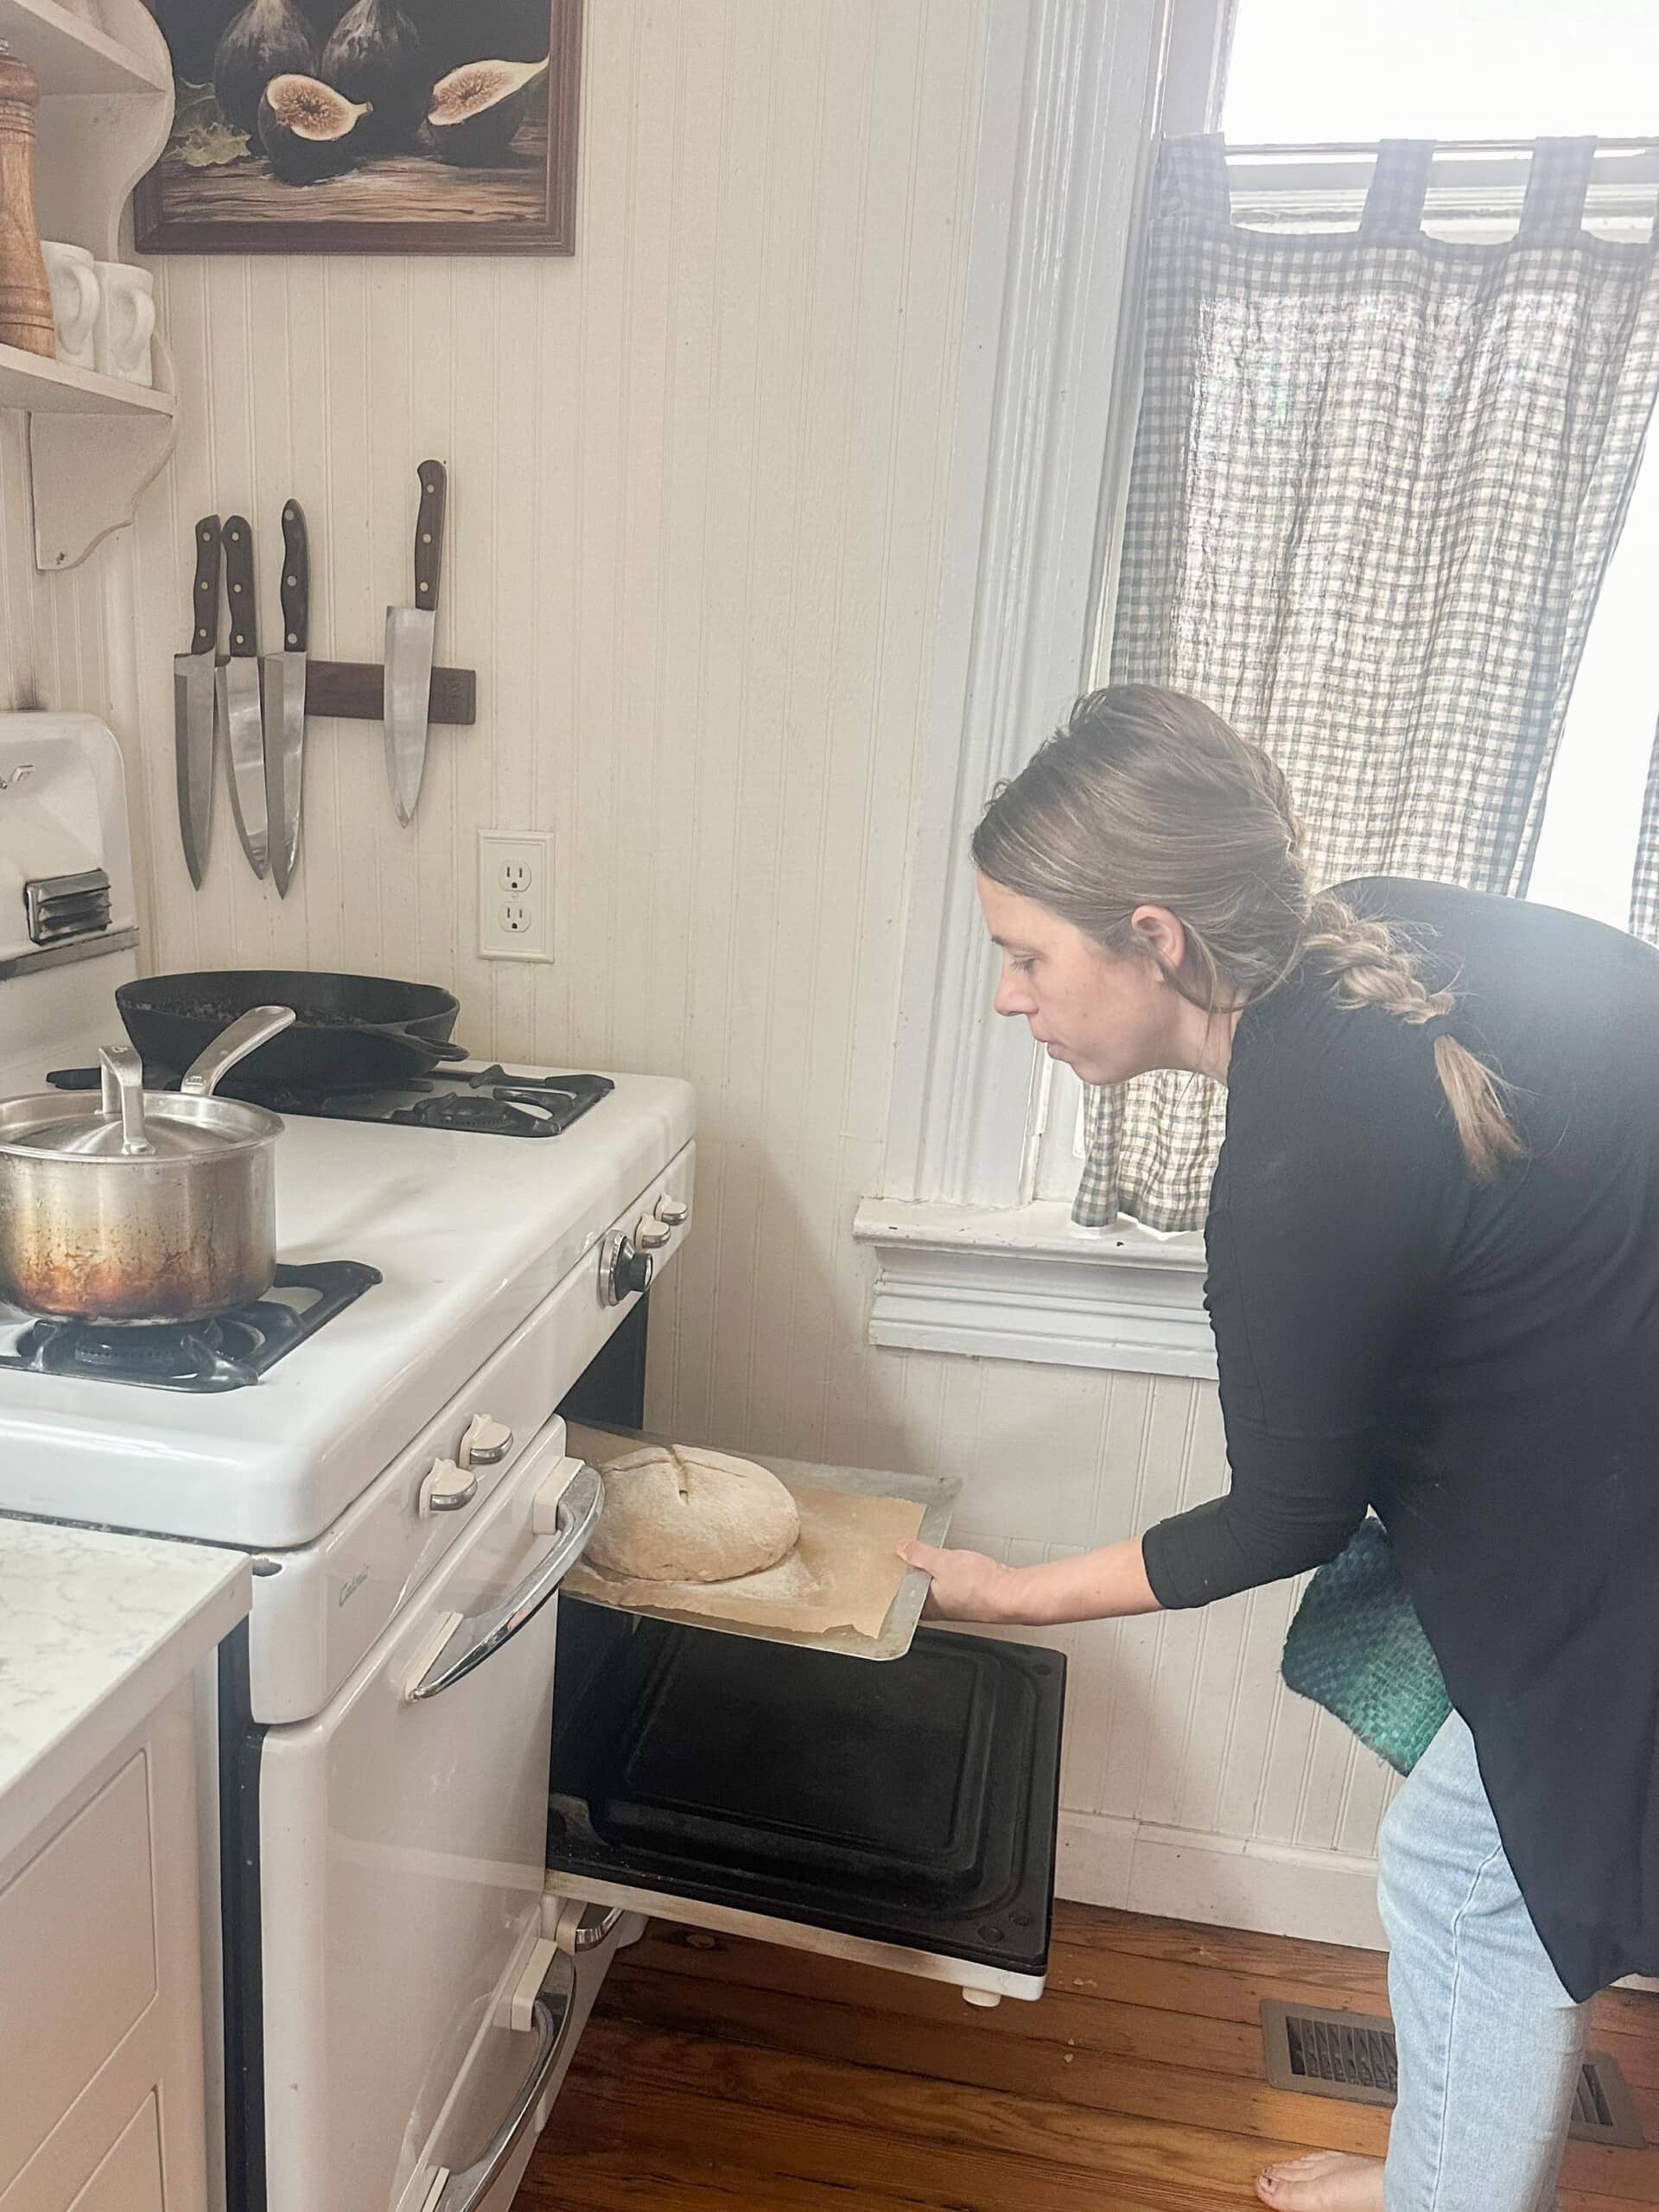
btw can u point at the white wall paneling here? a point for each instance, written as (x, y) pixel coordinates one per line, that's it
(700, 497)
(53, 629)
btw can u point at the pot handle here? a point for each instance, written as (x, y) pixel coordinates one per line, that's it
(256, 1027)
(121, 1080)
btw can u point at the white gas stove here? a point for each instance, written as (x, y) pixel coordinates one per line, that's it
(417, 1901)
(399, 1470)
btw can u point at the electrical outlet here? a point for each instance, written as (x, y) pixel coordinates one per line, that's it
(515, 894)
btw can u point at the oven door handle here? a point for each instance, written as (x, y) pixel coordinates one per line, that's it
(477, 1637)
(550, 2017)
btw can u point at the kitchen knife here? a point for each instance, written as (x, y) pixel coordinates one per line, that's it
(193, 705)
(409, 649)
(285, 703)
(239, 698)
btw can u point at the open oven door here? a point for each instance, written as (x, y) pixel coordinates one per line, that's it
(902, 1814)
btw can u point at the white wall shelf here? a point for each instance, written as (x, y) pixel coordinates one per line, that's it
(106, 111)
(50, 388)
(69, 54)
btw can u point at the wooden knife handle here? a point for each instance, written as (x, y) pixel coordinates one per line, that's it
(296, 579)
(429, 534)
(238, 588)
(203, 604)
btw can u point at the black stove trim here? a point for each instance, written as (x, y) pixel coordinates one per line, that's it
(241, 1745)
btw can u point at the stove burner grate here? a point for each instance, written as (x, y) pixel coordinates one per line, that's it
(227, 1352)
(508, 1106)
(492, 1100)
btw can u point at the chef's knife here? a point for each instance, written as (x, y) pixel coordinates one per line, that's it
(239, 698)
(285, 703)
(193, 705)
(409, 649)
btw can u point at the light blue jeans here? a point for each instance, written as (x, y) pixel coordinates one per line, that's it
(1490, 2042)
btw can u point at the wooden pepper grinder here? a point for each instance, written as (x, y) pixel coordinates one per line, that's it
(25, 295)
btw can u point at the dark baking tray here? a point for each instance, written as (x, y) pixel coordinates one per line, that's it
(914, 1804)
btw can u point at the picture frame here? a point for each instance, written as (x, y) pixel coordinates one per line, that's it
(367, 126)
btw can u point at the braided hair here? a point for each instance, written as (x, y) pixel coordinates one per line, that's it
(1147, 798)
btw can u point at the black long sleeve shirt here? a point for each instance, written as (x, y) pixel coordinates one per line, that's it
(1477, 1364)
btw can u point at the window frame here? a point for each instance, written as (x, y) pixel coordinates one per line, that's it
(969, 1256)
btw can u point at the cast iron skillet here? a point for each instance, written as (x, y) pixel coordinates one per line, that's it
(349, 1032)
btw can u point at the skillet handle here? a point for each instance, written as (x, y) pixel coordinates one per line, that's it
(256, 1027)
(402, 1032)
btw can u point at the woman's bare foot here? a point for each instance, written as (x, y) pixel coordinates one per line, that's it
(1328, 2182)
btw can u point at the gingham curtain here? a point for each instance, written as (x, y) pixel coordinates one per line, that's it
(1644, 890)
(1377, 482)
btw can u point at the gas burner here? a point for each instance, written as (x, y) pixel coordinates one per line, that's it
(509, 1106)
(228, 1352)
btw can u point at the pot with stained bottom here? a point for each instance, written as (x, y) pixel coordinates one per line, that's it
(128, 1206)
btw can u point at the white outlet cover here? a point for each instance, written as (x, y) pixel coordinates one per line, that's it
(515, 894)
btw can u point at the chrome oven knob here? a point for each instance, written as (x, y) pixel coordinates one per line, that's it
(623, 1269)
(673, 1212)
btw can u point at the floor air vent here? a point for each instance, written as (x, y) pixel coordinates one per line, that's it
(1351, 2055)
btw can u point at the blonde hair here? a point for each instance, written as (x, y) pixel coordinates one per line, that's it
(1147, 798)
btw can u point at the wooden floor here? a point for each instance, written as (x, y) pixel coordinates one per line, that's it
(717, 2075)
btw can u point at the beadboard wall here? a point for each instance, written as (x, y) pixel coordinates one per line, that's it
(52, 636)
(696, 496)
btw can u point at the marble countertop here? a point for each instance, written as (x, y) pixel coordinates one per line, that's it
(96, 1630)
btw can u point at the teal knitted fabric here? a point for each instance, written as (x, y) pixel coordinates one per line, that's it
(1357, 1648)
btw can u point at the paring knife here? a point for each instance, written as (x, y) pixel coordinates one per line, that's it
(193, 705)
(409, 649)
(239, 698)
(285, 703)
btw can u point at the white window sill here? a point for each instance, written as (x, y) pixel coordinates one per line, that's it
(1024, 1282)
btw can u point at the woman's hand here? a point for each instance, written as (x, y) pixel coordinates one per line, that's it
(967, 1587)
(1100, 1585)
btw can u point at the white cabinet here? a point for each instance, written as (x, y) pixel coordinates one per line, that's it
(100, 1988)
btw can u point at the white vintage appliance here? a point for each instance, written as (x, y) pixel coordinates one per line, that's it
(403, 1978)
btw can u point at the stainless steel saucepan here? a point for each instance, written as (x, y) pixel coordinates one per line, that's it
(132, 1206)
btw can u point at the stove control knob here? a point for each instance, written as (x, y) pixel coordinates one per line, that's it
(673, 1212)
(622, 1269)
(649, 1233)
(486, 1443)
(446, 1488)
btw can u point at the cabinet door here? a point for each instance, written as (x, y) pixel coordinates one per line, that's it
(130, 2179)
(101, 2103)
(77, 1960)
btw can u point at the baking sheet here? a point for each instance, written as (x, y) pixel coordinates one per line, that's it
(843, 1591)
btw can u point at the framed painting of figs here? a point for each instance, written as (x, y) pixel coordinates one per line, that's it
(367, 126)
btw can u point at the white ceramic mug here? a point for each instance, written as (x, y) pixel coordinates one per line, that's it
(126, 321)
(73, 274)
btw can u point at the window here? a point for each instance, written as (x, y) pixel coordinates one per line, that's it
(974, 1246)
(1501, 70)
(1301, 71)
(1586, 850)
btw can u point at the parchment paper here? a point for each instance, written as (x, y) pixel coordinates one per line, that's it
(844, 1574)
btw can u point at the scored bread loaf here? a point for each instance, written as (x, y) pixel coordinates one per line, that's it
(676, 1513)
